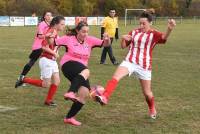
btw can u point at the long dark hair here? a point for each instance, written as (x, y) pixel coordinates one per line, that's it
(43, 15)
(73, 31)
(56, 20)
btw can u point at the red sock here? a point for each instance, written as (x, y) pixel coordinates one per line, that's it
(150, 102)
(35, 82)
(51, 92)
(110, 87)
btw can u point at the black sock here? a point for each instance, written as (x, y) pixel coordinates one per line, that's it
(87, 84)
(76, 83)
(75, 108)
(27, 67)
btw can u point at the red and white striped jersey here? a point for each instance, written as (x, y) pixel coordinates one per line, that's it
(141, 46)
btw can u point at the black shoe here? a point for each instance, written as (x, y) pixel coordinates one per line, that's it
(50, 104)
(101, 99)
(19, 81)
(115, 63)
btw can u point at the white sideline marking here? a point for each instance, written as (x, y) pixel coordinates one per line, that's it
(4, 109)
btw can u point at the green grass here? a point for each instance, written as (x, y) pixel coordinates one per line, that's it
(175, 82)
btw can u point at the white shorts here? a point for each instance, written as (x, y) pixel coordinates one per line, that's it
(137, 70)
(47, 67)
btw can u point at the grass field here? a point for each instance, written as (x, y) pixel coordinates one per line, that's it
(175, 82)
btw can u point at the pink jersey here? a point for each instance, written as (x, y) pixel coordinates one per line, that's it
(41, 29)
(142, 44)
(76, 51)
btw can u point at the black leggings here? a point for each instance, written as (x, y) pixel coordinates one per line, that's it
(34, 56)
(71, 71)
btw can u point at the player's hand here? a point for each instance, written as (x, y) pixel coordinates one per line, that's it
(127, 37)
(171, 24)
(50, 35)
(56, 55)
(53, 35)
(106, 36)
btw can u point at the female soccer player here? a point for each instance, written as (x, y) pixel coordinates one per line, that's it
(47, 62)
(138, 61)
(37, 47)
(74, 65)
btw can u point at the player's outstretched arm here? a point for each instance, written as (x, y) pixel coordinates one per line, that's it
(125, 41)
(170, 26)
(106, 40)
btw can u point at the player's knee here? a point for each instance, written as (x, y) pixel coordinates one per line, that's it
(148, 93)
(117, 77)
(83, 96)
(85, 73)
(57, 82)
(46, 84)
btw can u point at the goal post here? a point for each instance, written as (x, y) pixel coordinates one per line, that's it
(126, 12)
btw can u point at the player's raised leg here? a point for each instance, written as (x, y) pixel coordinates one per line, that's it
(33, 58)
(77, 73)
(45, 83)
(35, 82)
(112, 84)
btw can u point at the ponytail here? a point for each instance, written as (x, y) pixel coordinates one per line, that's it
(71, 31)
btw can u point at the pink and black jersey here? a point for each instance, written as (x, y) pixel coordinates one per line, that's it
(41, 30)
(76, 51)
(142, 44)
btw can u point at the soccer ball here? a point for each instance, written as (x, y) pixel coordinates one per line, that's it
(96, 90)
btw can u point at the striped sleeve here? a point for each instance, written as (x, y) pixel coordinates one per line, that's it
(158, 37)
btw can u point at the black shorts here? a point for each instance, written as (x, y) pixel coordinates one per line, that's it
(71, 69)
(35, 54)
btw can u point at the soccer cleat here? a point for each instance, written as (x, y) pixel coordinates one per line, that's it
(152, 113)
(101, 99)
(53, 104)
(72, 121)
(19, 81)
(70, 96)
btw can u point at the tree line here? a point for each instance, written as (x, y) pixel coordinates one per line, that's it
(97, 7)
